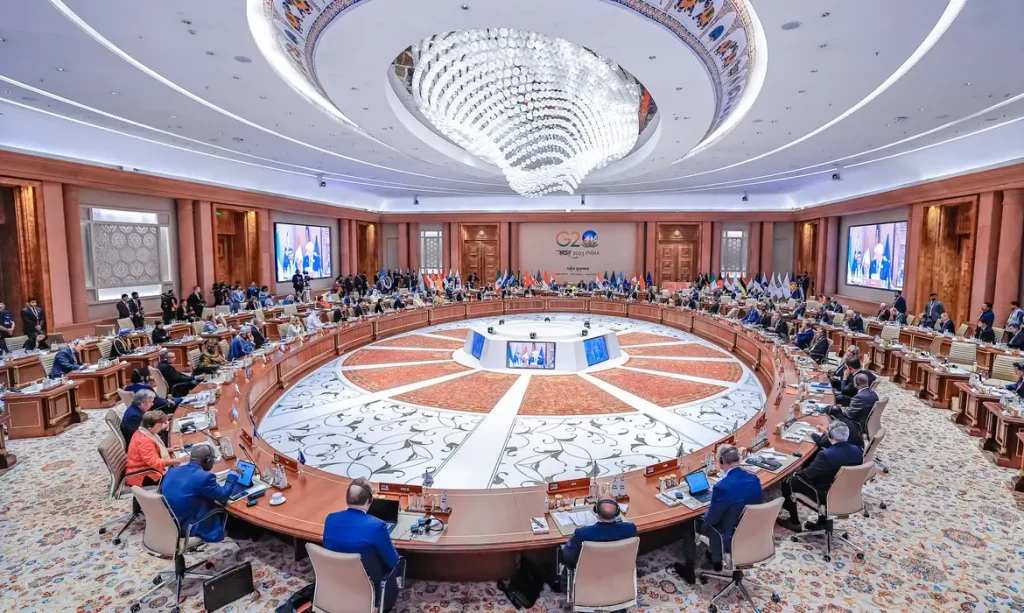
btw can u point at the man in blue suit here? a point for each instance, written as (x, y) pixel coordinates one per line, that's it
(64, 362)
(192, 492)
(1016, 337)
(900, 303)
(933, 309)
(987, 317)
(856, 323)
(861, 402)
(728, 498)
(353, 531)
(606, 530)
(752, 317)
(815, 478)
(241, 345)
(945, 324)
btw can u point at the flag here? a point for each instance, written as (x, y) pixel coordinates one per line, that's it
(547, 280)
(741, 285)
(643, 286)
(302, 458)
(649, 279)
(598, 279)
(255, 434)
(606, 276)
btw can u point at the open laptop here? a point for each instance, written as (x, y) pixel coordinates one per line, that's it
(385, 510)
(245, 485)
(700, 489)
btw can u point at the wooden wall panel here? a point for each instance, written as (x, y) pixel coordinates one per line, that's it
(677, 252)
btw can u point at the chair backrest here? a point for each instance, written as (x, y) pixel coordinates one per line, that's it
(223, 309)
(115, 458)
(126, 397)
(606, 574)
(193, 357)
(160, 383)
(161, 535)
(838, 319)
(197, 327)
(910, 320)
(282, 330)
(874, 422)
(46, 359)
(792, 303)
(342, 585)
(813, 305)
(259, 316)
(869, 455)
(16, 342)
(1002, 368)
(845, 496)
(936, 347)
(997, 332)
(890, 333)
(290, 309)
(961, 330)
(876, 383)
(750, 303)
(57, 338)
(105, 346)
(733, 313)
(752, 542)
(113, 419)
(963, 353)
(125, 323)
(103, 329)
(225, 348)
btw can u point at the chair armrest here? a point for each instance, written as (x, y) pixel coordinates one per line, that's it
(135, 473)
(817, 501)
(218, 511)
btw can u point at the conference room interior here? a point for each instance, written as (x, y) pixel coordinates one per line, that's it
(494, 269)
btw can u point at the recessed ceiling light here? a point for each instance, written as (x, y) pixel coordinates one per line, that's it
(242, 59)
(802, 91)
(992, 119)
(209, 53)
(464, 7)
(114, 94)
(967, 83)
(263, 97)
(901, 119)
(791, 25)
(174, 116)
(355, 89)
(59, 69)
(679, 89)
(822, 45)
(652, 57)
(758, 120)
(814, 70)
(366, 108)
(238, 140)
(236, 77)
(186, 22)
(826, 14)
(192, 32)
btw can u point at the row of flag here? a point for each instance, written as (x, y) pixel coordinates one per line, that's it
(775, 286)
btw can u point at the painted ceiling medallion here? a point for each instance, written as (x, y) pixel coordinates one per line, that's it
(545, 111)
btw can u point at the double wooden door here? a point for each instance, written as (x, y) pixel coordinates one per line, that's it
(480, 257)
(678, 262)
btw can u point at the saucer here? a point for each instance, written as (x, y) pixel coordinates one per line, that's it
(282, 501)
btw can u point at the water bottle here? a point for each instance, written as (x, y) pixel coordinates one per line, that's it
(444, 501)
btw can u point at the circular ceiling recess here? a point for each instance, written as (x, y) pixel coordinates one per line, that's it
(542, 109)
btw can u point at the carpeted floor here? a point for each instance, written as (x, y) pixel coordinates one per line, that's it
(952, 539)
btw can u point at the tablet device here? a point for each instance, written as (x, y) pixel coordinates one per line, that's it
(246, 470)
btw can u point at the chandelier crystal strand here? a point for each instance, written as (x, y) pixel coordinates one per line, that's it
(545, 111)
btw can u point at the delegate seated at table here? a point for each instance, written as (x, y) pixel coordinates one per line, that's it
(192, 492)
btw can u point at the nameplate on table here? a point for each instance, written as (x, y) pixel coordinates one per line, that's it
(729, 441)
(569, 484)
(286, 462)
(762, 421)
(661, 467)
(399, 488)
(246, 438)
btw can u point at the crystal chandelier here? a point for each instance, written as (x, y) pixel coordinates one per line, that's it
(544, 110)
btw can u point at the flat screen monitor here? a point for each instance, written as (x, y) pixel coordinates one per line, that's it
(597, 350)
(299, 248)
(478, 345)
(534, 356)
(876, 254)
(245, 472)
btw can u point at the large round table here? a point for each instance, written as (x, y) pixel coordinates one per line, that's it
(488, 528)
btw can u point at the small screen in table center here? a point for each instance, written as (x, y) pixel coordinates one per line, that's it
(478, 345)
(530, 355)
(596, 349)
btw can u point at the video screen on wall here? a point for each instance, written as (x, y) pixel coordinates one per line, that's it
(530, 355)
(875, 255)
(478, 345)
(596, 349)
(299, 248)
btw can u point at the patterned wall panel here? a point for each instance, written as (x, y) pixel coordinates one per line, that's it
(124, 254)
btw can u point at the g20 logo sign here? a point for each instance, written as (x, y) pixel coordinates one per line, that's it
(586, 240)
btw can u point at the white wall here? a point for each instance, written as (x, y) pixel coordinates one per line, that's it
(866, 293)
(312, 220)
(782, 246)
(539, 249)
(117, 200)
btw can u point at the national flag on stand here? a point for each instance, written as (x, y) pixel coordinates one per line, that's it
(597, 279)
(547, 280)
(255, 433)
(649, 279)
(643, 286)
(741, 285)
(302, 458)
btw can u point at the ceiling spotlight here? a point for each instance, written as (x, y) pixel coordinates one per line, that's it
(59, 69)
(745, 198)
(583, 200)
(415, 200)
(464, 7)
(652, 57)
(837, 176)
(826, 14)
(114, 94)
(822, 45)
(242, 59)
(320, 180)
(901, 119)
(790, 25)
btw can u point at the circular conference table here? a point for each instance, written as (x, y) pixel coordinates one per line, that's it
(487, 528)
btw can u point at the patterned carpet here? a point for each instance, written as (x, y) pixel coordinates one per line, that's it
(476, 393)
(662, 391)
(951, 540)
(368, 357)
(387, 377)
(678, 351)
(568, 395)
(641, 338)
(724, 371)
(422, 341)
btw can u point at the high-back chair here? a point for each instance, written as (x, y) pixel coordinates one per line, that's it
(124, 322)
(222, 309)
(57, 338)
(290, 309)
(164, 539)
(113, 420)
(813, 305)
(225, 348)
(963, 354)
(1002, 371)
(935, 348)
(733, 313)
(890, 333)
(104, 347)
(47, 359)
(126, 398)
(282, 331)
(910, 320)
(997, 334)
(845, 498)
(874, 421)
(605, 576)
(193, 358)
(869, 456)
(16, 342)
(961, 330)
(753, 544)
(103, 329)
(159, 383)
(342, 585)
(838, 319)
(116, 461)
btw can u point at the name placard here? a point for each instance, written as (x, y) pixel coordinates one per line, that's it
(730, 440)
(246, 438)
(399, 488)
(286, 462)
(661, 467)
(569, 484)
(761, 421)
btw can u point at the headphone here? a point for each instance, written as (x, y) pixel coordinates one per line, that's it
(207, 461)
(618, 509)
(364, 487)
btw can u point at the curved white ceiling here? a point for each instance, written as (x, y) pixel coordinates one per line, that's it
(181, 89)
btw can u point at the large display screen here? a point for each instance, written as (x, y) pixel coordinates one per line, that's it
(478, 345)
(530, 355)
(597, 350)
(875, 255)
(299, 248)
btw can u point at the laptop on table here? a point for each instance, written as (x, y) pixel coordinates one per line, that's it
(700, 489)
(385, 510)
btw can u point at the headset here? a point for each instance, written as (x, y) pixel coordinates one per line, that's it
(618, 509)
(207, 461)
(366, 488)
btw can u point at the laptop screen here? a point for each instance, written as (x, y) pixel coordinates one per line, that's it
(384, 510)
(246, 471)
(697, 481)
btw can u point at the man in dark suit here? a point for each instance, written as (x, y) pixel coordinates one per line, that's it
(178, 384)
(607, 529)
(124, 308)
(805, 336)
(819, 346)
(987, 316)
(169, 306)
(861, 402)
(66, 361)
(932, 310)
(196, 302)
(984, 332)
(856, 323)
(1018, 369)
(353, 531)
(779, 326)
(6, 327)
(815, 479)
(137, 311)
(883, 312)
(1016, 337)
(33, 321)
(900, 303)
(945, 324)
(728, 498)
(840, 373)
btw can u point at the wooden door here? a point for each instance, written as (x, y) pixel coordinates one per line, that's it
(669, 259)
(480, 257)
(225, 253)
